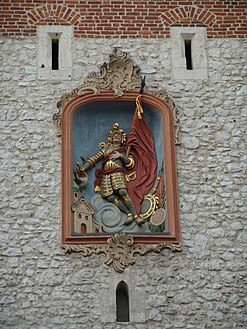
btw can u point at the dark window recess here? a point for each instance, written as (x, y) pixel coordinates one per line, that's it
(122, 297)
(188, 54)
(55, 54)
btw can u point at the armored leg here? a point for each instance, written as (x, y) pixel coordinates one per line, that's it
(127, 201)
(119, 203)
(130, 205)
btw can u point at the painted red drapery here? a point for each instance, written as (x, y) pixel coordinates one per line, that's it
(141, 145)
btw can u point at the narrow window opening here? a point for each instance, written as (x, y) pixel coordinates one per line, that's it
(122, 299)
(188, 54)
(55, 54)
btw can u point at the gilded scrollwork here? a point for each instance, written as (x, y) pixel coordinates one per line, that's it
(120, 250)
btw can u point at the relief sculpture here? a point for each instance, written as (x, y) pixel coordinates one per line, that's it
(119, 187)
(130, 190)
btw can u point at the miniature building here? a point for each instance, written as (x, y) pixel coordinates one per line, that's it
(83, 215)
(83, 218)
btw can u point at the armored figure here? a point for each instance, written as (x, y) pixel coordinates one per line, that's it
(111, 180)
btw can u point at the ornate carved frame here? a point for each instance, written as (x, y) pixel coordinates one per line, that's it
(118, 80)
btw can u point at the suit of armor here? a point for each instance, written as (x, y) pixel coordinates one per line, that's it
(111, 179)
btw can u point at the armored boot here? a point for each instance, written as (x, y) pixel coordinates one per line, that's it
(132, 215)
(139, 220)
(120, 204)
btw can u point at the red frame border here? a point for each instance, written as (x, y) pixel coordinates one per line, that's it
(170, 168)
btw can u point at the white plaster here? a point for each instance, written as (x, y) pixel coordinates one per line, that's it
(136, 298)
(197, 35)
(45, 34)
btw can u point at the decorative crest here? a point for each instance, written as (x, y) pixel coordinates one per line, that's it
(120, 74)
(120, 250)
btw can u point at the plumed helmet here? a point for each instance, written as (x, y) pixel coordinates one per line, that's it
(117, 130)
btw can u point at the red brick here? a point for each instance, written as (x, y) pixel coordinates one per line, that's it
(40, 13)
(34, 19)
(67, 13)
(75, 18)
(119, 13)
(12, 8)
(174, 16)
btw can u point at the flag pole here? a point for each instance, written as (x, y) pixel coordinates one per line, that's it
(138, 107)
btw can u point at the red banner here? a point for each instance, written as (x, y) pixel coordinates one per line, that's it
(141, 145)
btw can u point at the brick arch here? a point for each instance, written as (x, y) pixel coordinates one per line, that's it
(55, 13)
(194, 13)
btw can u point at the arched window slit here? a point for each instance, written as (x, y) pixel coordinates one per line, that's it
(122, 302)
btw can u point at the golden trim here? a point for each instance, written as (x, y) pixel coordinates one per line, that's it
(97, 189)
(116, 130)
(111, 165)
(139, 107)
(95, 158)
(120, 250)
(131, 164)
(116, 202)
(126, 198)
(154, 201)
(131, 176)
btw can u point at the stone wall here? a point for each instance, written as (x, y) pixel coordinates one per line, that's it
(201, 287)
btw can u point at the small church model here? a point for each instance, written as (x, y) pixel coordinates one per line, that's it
(83, 215)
